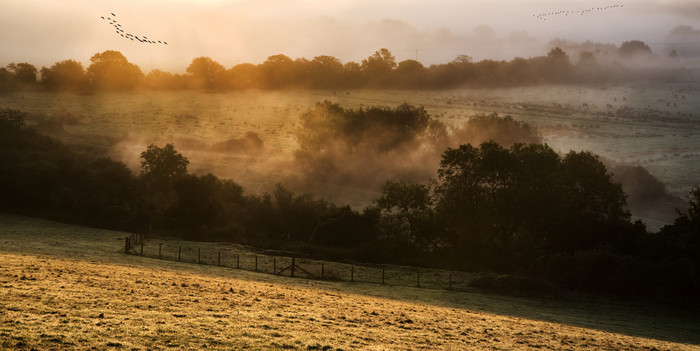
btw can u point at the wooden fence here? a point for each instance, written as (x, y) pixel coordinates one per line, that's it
(299, 267)
(132, 242)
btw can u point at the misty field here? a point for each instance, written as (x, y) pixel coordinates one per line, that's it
(656, 126)
(71, 287)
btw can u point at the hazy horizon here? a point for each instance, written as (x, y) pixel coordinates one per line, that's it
(232, 32)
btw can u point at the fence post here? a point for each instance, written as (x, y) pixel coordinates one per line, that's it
(256, 263)
(179, 252)
(274, 266)
(418, 279)
(322, 270)
(142, 247)
(450, 286)
(352, 273)
(294, 264)
(218, 260)
(382, 275)
(199, 255)
(238, 260)
(126, 245)
(160, 247)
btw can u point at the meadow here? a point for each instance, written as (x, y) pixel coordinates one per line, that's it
(72, 287)
(653, 125)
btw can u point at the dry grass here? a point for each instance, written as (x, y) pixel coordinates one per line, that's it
(70, 287)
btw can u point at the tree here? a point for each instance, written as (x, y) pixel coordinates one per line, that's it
(520, 71)
(558, 67)
(408, 216)
(278, 71)
(6, 80)
(634, 48)
(382, 61)
(23, 72)
(326, 72)
(506, 131)
(110, 70)
(64, 75)
(462, 60)
(410, 74)
(163, 163)
(378, 66)
(337, 144)
(245, 76)
(160, 80)
(206, 72)
(507, 208)
(588, 68)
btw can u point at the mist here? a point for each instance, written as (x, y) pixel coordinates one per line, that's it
(44, 32)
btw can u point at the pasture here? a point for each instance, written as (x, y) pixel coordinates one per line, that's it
(653, 125)
(71, 287)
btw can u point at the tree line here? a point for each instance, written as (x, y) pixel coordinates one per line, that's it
(110, 70)
(521, 209)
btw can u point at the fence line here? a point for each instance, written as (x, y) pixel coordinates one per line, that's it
(132, 241)
(303, 267)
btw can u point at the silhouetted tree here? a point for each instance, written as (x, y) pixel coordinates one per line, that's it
(558, 66)
(408, 218)
(519, 71)
(334, 141)
(163, 163)
(245, 76)
(378, 66)
(23, 72)
(110, 70)
(410, 74)
(160, 80)
(346, 229)
(587, 68)
(634, 48)
(206, 73)
(505, 207)
(506, 131)
(278, 71)
(64, 75)
(6, 81)
(326, 72)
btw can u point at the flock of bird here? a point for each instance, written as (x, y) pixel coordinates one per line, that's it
(543, 16)
(142, 39)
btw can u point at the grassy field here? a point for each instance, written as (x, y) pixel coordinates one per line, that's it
(657, 126)
(653, 125)
(71, 287)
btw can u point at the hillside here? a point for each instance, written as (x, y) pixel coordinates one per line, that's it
(71, 287)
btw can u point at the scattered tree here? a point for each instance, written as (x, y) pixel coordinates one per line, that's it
(206, 72)
(64, 75)
(110, 70)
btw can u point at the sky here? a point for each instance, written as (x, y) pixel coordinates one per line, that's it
(43, 32)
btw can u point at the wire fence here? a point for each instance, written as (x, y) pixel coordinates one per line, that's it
(298, 267)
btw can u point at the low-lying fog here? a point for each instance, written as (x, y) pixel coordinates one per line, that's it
(251, 136)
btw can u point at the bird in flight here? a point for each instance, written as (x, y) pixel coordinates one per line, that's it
(120, 30)
(543, 16)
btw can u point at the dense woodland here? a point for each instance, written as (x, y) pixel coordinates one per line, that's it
(506, 204)
(110, 70)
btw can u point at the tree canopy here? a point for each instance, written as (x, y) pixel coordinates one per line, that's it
(110, 70)
(206, 72)
(526, 201)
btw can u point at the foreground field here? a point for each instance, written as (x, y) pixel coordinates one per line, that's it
(70, 287)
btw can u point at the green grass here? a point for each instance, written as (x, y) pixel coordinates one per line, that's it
(71, 287)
